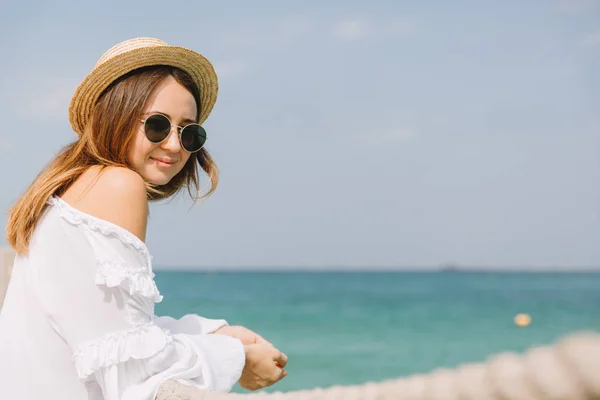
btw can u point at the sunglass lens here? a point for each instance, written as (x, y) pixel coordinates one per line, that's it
(157, 128)
(193, 137)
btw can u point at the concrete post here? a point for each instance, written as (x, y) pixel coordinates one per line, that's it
(7, 256)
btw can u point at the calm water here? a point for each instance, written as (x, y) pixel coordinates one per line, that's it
(350, 328)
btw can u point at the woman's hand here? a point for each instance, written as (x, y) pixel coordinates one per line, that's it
(244, 334)
(264, 363)
(264, 366)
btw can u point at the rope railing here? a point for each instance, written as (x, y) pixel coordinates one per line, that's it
(569, 370)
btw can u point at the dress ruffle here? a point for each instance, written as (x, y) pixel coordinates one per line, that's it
(136, 280)
(139, 343)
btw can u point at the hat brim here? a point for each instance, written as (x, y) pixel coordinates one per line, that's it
(197, 66)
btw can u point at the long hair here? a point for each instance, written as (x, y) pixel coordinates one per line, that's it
(104, 142)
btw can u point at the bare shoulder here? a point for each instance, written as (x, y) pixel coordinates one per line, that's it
(114, 194)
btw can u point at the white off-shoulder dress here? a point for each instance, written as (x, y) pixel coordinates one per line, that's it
(78, 320)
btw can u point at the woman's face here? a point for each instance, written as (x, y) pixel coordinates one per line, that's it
(158, 163)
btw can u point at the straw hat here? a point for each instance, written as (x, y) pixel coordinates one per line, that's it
(133, 54)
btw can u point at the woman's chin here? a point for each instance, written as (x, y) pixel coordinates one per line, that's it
(158, 179)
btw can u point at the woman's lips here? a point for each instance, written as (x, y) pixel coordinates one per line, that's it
(162, 162)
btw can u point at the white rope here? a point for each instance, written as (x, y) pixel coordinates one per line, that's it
(569, 370)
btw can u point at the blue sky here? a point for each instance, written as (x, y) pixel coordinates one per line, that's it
(389, 134)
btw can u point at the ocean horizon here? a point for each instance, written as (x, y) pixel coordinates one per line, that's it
(365, 269)
(351, 327)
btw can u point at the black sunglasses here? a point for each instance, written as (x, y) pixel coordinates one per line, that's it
(158, 127)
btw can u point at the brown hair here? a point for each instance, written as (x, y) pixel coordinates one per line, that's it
(105, 142)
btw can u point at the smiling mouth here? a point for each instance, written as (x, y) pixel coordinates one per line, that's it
(163, 163)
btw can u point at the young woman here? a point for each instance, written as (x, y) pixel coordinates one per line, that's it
(78, 319)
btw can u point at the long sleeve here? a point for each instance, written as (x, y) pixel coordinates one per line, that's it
(100, 299)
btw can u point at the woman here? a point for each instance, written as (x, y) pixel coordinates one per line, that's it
(78, 319)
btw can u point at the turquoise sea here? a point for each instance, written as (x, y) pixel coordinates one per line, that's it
(354, 327)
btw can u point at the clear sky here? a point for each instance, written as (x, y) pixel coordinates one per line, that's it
(349, 133)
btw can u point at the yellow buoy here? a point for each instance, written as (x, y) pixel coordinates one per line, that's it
(522, 319)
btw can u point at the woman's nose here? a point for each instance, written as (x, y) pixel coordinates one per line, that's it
(172, 142)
